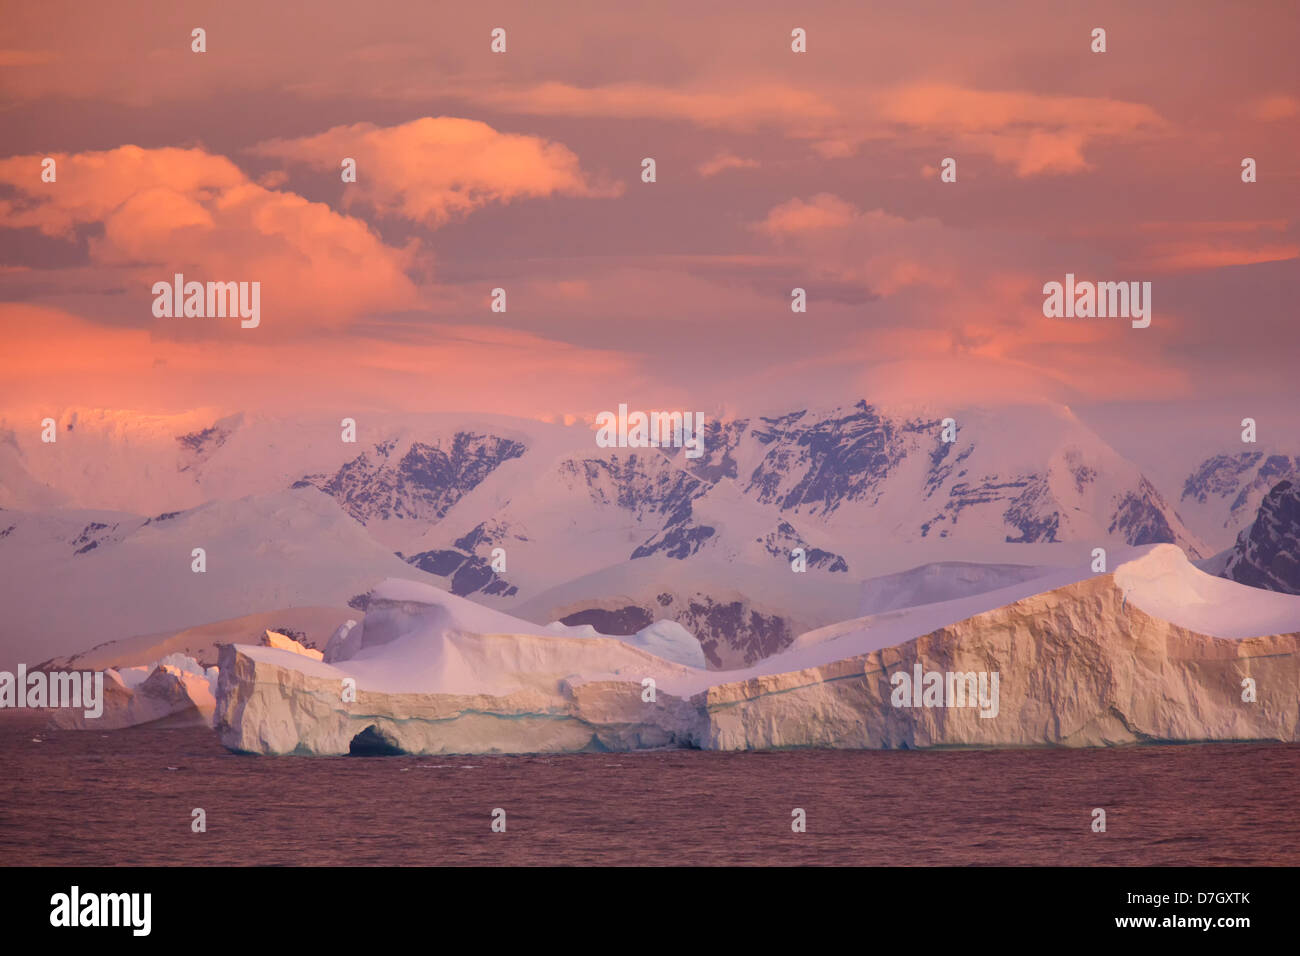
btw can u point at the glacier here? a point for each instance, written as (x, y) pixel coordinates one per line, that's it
(1155, 651)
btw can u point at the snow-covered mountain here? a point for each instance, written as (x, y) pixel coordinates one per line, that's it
(415, 480)
(852, 487)
(537, 519)
(1222, 495)
(73, 579)
(1267, 554)
(121, 460)
(1032, 474)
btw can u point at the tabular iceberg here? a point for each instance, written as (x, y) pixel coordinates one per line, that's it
(1156, 651)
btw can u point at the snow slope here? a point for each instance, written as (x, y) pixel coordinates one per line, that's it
(74, 579)
(940, 581)
(313, 624)
(1166, 586)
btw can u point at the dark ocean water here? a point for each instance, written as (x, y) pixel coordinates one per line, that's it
(103, 799)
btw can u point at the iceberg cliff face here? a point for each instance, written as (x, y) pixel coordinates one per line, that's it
(266, 704)
(175, 691)
(1076, 667)
(1156, 651)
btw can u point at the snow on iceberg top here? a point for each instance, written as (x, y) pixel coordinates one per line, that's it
(1158, 579)
(1164, 584)
(665, 639)
(429, 659)
(286, 643)
(461, 647)
(420, 639)
(462, 614)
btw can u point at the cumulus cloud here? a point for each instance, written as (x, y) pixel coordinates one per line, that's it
(436, 169)
(823, 211)
(165, 211)
(90, 186)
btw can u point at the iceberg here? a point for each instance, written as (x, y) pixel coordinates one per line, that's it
(1155, 651)
(175, 691)
(436, 673)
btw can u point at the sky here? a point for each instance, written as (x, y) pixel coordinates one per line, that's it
(522, 170)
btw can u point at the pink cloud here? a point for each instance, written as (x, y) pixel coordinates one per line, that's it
(748, 107)
(436, 169)
(883, 252)
(1034, 132)
(184, 210)
(55, 357)
(1187, 246)
(823, 211)
(1268, 109)
(724, 161)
